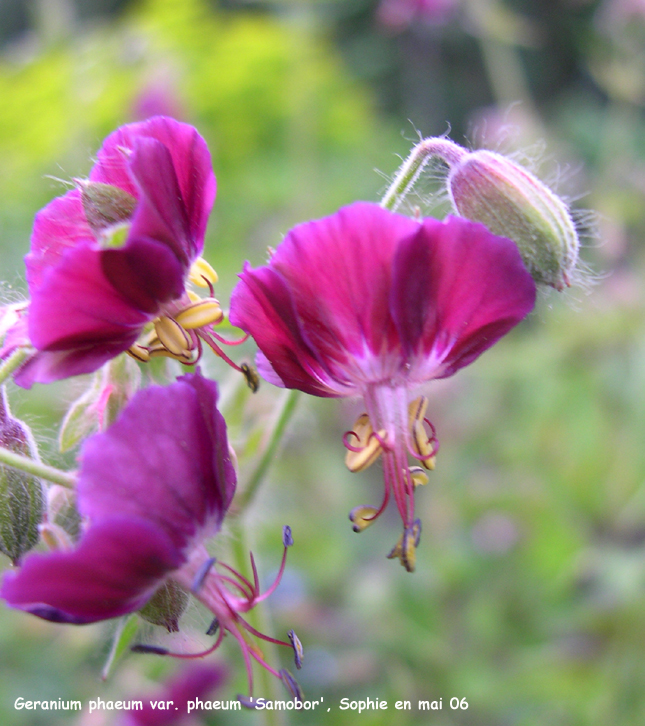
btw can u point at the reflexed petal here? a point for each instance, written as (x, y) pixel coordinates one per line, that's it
(115, 569)
(261, 304)
(457, 290)
(47, 367)
(160, 213)
(59, 226)
(165, 459)
(145, 272)
(367, 296)
(77, 306)
(339, 273)
(191, 162)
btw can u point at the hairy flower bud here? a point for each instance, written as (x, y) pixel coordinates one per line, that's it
(489, 188)
(166, 606)
(96, 408)
(21, 494)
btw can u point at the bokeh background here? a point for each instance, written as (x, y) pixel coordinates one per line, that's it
(529, 595)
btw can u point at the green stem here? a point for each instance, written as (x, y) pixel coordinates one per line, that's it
(36, 468)
(13, 362)
(412, 167)
(283, 417)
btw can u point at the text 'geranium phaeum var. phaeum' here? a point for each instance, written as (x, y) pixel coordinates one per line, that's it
(111, 259)
(373, 304)
(152, 489)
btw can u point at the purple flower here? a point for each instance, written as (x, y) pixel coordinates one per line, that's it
(373, 304)
(114, 255)
(153, 488)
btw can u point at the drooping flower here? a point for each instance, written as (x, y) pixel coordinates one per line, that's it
(111, 259)
(152, 489)
(373, 304)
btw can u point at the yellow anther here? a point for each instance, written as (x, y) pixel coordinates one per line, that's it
(409, 553)
(418, 476)
(417, 410)
(406, 548)
(369, 445)
(422, 446)
(420, 443)
(362, 516)
(160, 351)
(204, 312)
(193, 296)
(201, 273)
(172, 336)
(139, 352)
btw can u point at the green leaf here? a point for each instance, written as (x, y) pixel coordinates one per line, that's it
(124, 634)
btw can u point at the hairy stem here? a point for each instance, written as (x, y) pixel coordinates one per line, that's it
(13, 362)
(411, 169)
(283, 416)
(35, 468)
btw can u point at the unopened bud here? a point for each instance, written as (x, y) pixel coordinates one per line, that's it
(489, 188)
(109, 392)
(166, 606)
(21, 494)
(55, 537)
(105, 205)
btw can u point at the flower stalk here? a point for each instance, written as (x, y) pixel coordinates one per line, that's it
(13, 362)
(284, 415)
(36, 468)
(409, 172)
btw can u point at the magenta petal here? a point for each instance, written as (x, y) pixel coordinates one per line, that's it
(77, 306)
(144, 272)
(190, 159)
(47, 367)
(165, 459)
(457, 290)
(115, 569)
(266, 370)
(59, 226)
(160, 213)
(339, 272)
(261, 305)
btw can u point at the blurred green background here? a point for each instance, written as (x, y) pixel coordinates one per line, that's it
(529, 595)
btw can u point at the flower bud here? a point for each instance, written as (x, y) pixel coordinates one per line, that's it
(166, 606)
(21, 494)
(489, 188)
(95, 409)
